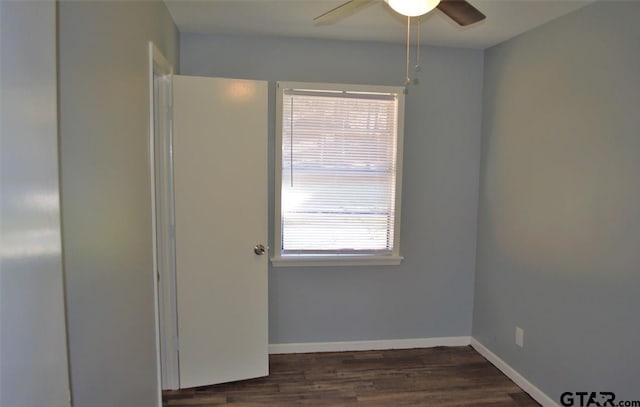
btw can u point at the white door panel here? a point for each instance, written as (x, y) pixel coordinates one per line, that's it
(220, 175)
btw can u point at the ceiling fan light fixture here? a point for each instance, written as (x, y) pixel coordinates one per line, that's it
(412, 8)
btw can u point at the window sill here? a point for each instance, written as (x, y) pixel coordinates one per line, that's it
(321, 261)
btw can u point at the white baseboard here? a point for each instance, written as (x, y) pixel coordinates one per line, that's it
(537, 394)
(308, 347)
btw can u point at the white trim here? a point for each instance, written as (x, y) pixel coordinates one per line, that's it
(304, 261)
(158, 61)
(343, 87)
(156, 311)
(158, 66)
(537, 394)
(277, 204)
(309, 347)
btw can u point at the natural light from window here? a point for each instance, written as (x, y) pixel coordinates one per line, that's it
(339, 171)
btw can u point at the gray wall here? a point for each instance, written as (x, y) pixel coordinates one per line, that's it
(431, 293)
(559, 213)
(33, 350)
(106, 196)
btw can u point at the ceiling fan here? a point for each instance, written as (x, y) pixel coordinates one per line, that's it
(459, 11)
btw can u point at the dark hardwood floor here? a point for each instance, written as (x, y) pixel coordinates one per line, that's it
(441, 376)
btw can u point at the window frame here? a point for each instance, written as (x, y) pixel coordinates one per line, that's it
(302, 260)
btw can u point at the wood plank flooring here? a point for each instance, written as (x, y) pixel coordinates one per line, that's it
(441, 376)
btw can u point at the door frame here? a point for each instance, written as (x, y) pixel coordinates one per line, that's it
(163, 226)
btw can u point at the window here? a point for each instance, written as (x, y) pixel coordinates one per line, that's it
(338, 174)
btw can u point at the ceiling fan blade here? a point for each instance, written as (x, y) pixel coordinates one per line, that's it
(340, 12)
(461, 12)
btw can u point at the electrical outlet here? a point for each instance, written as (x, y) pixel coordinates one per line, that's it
(520, 337)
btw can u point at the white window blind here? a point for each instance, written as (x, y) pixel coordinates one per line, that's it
(339, 172)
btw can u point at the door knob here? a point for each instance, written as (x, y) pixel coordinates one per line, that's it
(259, 249)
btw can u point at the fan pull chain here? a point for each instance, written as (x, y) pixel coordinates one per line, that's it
(407, 79)
(418, 68)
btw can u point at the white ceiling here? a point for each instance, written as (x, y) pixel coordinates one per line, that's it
(373, 22)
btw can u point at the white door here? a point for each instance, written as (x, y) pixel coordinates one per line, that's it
(220, 193)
